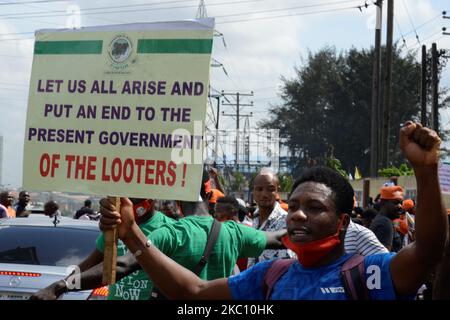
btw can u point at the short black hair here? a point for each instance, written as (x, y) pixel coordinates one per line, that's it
(51, 204)
(87, 203)
(343, 192)
(23, 192)
(369, 214)
(230, 200)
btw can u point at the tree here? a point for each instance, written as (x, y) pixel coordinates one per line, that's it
(334, 163)
(403, 170)
(286, 182)
(328, 103)
(237, 183)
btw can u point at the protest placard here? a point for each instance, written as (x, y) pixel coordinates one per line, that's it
(444, 177)
(119, 110)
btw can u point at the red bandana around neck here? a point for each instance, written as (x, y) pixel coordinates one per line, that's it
(310, 253)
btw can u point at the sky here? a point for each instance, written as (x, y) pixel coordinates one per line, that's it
(262, 41)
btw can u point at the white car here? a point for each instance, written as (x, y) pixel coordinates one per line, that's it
(36, 251)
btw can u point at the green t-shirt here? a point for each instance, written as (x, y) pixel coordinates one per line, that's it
(136, 286)
(185, 242)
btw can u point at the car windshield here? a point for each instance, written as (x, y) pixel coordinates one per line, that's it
(45, 245)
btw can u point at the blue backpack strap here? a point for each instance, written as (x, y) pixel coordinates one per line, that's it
(275, 271)
(353, 276)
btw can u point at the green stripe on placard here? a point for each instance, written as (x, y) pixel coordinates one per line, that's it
(68, 47)
(187, 46)
(174, 46)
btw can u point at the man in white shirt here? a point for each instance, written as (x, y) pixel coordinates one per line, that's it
(269, 216)
(360, 240)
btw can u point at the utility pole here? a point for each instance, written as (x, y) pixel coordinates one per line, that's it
(387, 86)
(434, 88)
(247, 141)
(423, 90)
(238, 105)
(375, 94)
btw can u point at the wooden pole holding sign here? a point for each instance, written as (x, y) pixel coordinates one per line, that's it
(110, 251)
(99, 163)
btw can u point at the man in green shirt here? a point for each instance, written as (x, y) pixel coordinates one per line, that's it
(135, 286)
(185, 242)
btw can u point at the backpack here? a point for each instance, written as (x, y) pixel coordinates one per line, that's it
(352, 273)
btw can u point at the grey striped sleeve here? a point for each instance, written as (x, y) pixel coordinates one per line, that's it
(362, 241)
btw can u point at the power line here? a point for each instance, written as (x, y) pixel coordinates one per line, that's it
(13, 84)
(14, 89)
(11, 56)
(410, 20)
(69, 14)
(26, 2)
(400, 29)
(60, 13)
(166, 8)
(232, 66)
(426, 39)
(428, 21)
(16, 39)
(121, 11)
(15, 33)
(288, 15)
(268, 98)
(421, 25)
(178, 7)
(284, 9)
(28, 5)
(64, 12)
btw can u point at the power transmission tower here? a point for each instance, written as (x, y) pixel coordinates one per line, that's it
(237, 116)
(216, 122)
(201, 11)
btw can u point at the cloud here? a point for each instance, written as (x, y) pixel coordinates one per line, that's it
(259, 51)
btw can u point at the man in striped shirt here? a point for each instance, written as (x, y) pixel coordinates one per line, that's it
(362, 241)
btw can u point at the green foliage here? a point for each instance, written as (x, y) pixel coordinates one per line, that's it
(237, 182)
(252, 178)
(328, 103)
(335, 164)
(221, 179)
(286, 182)
(402, 170)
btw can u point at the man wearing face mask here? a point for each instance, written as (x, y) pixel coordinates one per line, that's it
(148, 220)
(185, 241)
(391, 198)
(319, 212)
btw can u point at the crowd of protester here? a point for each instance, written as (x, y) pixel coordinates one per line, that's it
(317, 244)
